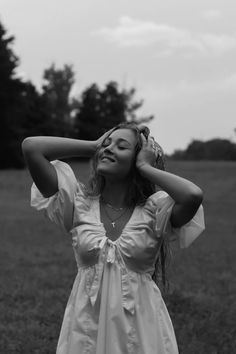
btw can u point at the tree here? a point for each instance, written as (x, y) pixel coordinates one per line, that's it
(56, 92)
(214, 149)
(11, 89)
(36, 119)
(100, 110)
(196, 150)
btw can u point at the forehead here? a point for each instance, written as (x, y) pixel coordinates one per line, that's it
(126, 134)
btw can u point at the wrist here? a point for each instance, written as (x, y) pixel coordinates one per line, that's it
(86, 148)
(142, 167)
(93, 147)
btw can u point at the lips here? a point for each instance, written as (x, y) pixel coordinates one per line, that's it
(107, 158)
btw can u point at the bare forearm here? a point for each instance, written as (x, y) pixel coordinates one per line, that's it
(180, 189)
(56, 147)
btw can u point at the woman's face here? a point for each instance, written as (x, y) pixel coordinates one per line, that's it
(117, 154)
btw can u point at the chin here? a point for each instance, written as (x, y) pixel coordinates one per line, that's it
(111, 172)
(105, 172)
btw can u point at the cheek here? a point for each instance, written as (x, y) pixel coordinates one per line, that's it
(128, 161)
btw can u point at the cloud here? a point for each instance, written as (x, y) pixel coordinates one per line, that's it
(225, 84)
(161, 93)
(168, 39)
(212, 14)
(229, 83)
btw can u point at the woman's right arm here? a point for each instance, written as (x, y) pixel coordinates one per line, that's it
(40, 150)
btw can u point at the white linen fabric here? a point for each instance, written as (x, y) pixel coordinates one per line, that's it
(114, 307)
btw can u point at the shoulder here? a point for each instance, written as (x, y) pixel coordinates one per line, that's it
(158, 202)
(159, 198)
(67, 180)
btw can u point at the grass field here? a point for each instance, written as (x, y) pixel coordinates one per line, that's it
(37, 268)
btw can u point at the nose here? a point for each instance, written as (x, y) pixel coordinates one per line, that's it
(109, 149)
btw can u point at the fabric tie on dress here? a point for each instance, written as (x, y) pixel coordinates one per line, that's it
(128, 299)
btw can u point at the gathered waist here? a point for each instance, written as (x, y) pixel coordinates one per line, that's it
(86, 267)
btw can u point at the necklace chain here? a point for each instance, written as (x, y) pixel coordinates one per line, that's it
(113, 221)
(110, 206)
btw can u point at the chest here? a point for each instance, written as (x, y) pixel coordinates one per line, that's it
(114, 223)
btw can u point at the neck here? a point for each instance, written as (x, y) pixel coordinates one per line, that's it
(115, 193)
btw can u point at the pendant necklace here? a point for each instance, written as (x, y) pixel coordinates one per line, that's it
(113, 222)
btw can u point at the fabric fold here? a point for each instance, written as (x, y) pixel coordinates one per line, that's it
(184, 235)
(188, 233)
(108, 254)
(60, 206)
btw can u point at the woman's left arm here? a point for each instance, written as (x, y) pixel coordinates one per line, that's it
(187, 196)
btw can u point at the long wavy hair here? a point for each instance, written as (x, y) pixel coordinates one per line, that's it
(140, 189)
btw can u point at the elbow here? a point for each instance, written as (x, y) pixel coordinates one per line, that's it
(28, 145)
(196, 197)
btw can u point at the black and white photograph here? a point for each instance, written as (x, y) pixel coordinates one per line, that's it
(117, 177)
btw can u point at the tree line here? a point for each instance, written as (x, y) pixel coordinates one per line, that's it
(27, 111)
(214, 149)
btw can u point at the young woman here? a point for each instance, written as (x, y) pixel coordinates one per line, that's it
(120, 227)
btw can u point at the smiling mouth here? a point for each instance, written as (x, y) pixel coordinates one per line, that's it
(106, 158)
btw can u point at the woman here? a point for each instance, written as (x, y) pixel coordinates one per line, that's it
(120, 229)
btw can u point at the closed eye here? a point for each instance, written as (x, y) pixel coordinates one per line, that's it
(108, 142)
(121, 144)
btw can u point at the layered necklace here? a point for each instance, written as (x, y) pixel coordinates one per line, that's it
(113, 221)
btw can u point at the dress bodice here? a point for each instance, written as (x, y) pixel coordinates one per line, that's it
(137, 244)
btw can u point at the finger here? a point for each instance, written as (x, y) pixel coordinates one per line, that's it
(151, 141)
(155, 144)
(145, 130)
(144, 141)
(109, 132)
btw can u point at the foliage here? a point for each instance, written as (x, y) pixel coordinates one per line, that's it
(23, 111)
(36, 119)
(11, 89)
(56, 93)
(26, 112)
(215, 149)
(100, 110)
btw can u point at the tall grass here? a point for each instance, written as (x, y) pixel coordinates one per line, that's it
(37, 268)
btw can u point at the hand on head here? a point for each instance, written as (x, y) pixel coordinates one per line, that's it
(100, 140)
(148, 153)
(146, 132)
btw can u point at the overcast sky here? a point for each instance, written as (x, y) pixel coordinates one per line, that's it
(179, 54)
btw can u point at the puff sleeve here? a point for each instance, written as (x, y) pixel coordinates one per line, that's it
(185, 234)
(60, 206)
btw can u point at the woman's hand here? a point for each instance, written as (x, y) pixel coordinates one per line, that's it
(100, 140)
(149, 152)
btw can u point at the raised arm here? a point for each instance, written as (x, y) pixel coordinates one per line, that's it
(40, 150)
(187, 195)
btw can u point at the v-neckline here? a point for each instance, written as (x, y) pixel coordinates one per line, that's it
(98, 209)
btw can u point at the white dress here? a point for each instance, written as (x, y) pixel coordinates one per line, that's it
(114, 307)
